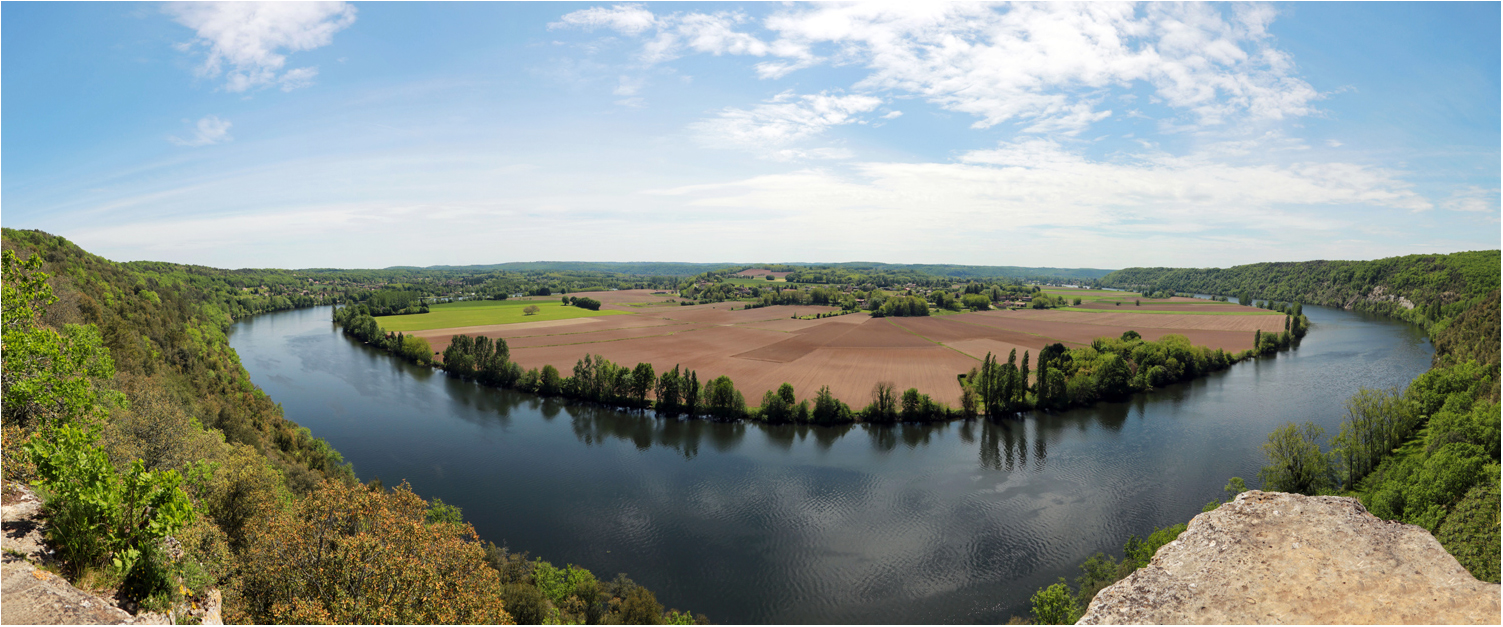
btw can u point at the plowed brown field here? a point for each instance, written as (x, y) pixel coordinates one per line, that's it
(763, 348)
(1159, 305)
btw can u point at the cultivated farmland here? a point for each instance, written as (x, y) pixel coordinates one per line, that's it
(762, 348)
(487, 312)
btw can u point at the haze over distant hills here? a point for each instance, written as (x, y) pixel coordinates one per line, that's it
(671, 268)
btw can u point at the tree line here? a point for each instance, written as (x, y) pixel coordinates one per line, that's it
(582, 302)
(395, 302)
(137, 424)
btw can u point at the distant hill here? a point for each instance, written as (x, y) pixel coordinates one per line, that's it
(643, 268)
(1428, 290)
(669, 268)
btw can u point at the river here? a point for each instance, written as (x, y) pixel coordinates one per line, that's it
(951, 523)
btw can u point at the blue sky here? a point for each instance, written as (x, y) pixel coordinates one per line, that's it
(1097, 135)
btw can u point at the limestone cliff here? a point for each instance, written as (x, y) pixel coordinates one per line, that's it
(1270, 557)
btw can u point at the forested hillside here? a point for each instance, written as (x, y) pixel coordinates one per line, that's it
(1426, 455)
(166, 473)
(1436, 287)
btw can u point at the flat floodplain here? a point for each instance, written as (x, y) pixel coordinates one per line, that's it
(760, 349)
(486, 312)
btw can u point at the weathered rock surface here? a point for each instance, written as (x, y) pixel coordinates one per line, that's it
(1271, 557)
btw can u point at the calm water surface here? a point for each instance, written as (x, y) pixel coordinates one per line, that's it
(954, 523)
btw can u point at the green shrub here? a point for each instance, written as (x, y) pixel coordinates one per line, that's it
(1470, 532)
(1055, 605)
(96, 516)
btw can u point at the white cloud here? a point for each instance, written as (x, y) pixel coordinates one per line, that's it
(771, 127)
(209, 130)
(1046, 66)
(627, 18)
(1334, 143)
(1473, 199)
(298, 78)
(891, 114)
(676, 34)
(247, 42)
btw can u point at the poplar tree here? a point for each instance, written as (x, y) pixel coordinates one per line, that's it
(1023, 381)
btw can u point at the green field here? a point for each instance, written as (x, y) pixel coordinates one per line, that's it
(1106, 295)
(476, 313)
(748, 281)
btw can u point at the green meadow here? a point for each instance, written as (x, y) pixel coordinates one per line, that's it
(476, 313)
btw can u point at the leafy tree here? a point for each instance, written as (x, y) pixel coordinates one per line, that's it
(722, 400)
(774, 409)
(1022, 399)
(1234, 486)
(550, 383)
(691, 394)
(642, 380)
(1377, 422)
(48, 378)
(441, 512)
(1114, 379)
(1055, 605)
(1295, 461)
(828, 409)
(530, 310)
(347, 555)
(884, 405)
(668, 391)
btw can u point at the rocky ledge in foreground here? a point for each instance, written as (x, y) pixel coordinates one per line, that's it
(1271, 557)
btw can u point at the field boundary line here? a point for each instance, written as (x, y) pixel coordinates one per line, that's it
(1040, 335)
(936, 343)
(650, 326)
(1163, 311)
(623, 339)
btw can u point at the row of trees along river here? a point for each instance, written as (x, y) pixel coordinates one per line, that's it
(138, 374)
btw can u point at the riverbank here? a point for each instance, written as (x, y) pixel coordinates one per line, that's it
(1109, 368)
(913, 523)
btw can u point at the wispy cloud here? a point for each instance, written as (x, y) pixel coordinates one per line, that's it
(1473, 199)
(1046, 66)
(208, 131)
(773, 127)
(627, 18)
(247, 42)
(1041, 184)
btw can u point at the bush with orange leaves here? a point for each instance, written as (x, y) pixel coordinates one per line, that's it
(350, 555)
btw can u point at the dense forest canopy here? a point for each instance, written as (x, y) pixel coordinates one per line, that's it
(1423, 289)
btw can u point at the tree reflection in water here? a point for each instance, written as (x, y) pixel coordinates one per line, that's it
(1003, 442)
